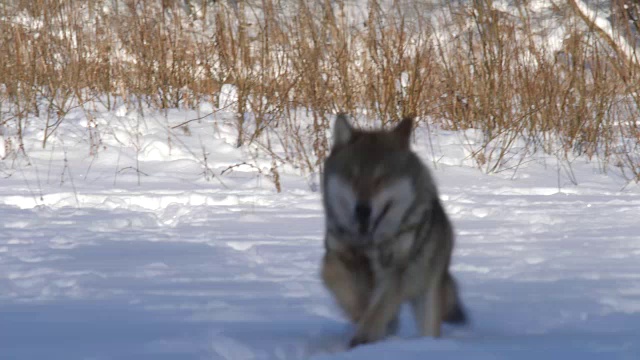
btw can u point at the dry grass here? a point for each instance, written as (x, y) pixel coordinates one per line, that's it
(308, 56)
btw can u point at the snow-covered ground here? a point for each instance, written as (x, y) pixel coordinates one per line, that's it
(185, 266)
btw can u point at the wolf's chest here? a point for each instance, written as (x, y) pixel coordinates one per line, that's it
(392, 252)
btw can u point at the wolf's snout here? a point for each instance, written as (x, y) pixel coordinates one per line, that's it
(363, 214)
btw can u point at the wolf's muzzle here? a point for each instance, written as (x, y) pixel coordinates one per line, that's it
(363, 216)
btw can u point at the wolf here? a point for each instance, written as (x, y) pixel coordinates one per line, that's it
(387, 239)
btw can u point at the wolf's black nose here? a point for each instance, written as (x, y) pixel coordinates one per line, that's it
(363, 213)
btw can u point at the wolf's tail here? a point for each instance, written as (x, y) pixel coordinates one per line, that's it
(454, 312)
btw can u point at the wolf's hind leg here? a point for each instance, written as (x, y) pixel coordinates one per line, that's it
(393, 326)
(453, 310)
(351, 282)
(428, 308)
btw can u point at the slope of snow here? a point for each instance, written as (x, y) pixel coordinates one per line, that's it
(146, 251)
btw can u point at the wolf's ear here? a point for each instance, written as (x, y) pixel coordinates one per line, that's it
(403, 131)
(342, 131)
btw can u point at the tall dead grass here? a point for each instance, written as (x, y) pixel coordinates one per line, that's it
(479, 69)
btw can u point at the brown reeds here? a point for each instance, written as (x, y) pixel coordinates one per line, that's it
(481, 69)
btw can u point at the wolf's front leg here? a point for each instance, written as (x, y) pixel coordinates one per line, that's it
(382, 310)
(428, 307)
(350, 280)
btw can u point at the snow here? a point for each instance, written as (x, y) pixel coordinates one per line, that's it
(155, 242)
(192, 264)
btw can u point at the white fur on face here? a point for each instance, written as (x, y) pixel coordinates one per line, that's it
(400, 194)
(342, 201)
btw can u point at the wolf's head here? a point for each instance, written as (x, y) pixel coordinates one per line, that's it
(368, 182)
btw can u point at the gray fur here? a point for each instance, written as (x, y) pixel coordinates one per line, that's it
(341, 130)
(403, 252)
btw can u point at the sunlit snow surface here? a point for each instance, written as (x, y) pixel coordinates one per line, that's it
(165, 246)
(95, 266)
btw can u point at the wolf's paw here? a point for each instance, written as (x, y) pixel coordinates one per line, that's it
(392, 326)
(358, 340)
(361, 338)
